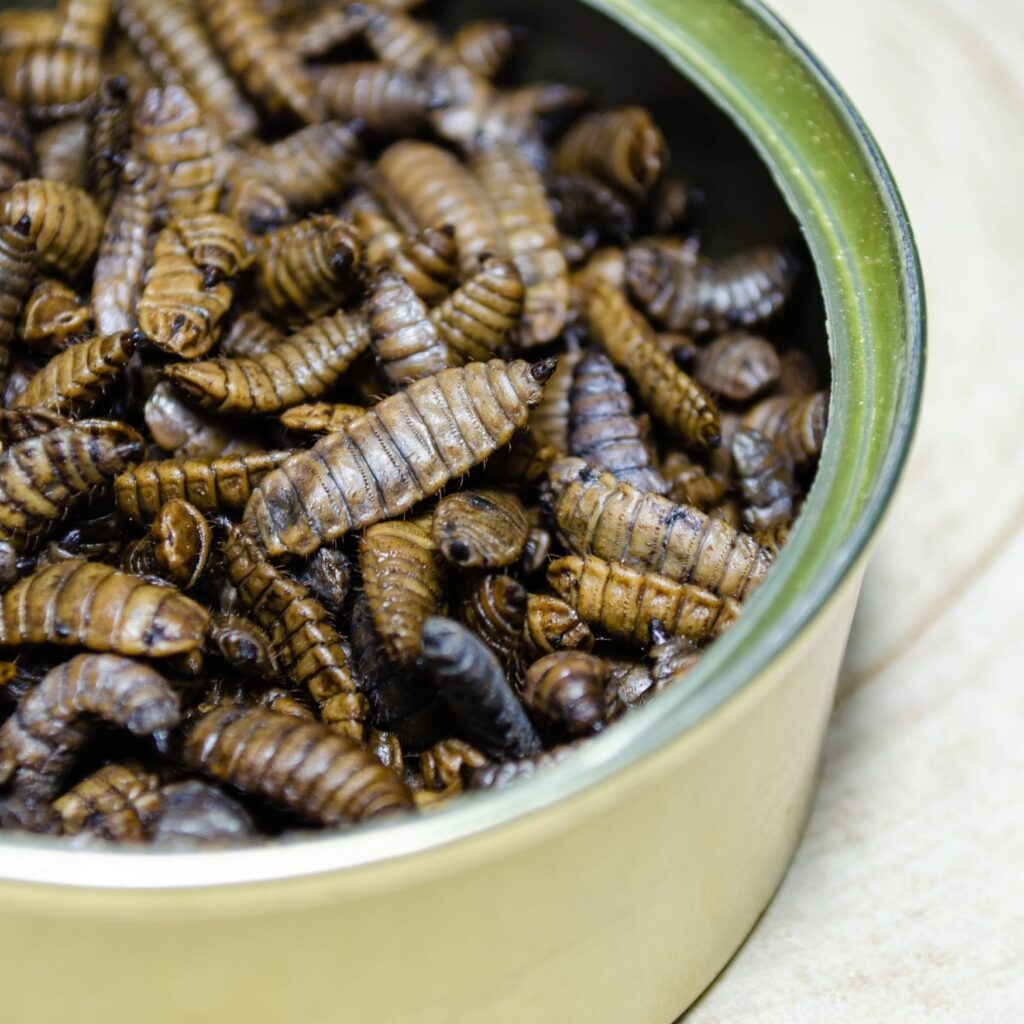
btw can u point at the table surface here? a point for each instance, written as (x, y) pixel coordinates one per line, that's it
(906, 899)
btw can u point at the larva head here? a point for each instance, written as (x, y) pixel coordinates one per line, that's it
(121, 446)
(181, 542)
(564, 575)
(179, 625)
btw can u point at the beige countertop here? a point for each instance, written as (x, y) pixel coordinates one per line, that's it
(906, 900)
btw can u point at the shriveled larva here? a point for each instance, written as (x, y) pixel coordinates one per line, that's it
(17, 268)
(190, 433)
(671, 657)
(328, 574)
(794, 424)
(402, 41)
(516, 191)
(254, 54)
(524, 462)
(308, 269)
(603, 430)
(181, 540)
(62, 151)
(64, 222)
(406, 340)
(171, 135)
(109, 140)
(550, 419)
(387, 99)
(41, 477)
(308, 647)
(284, 703)
(709, 295)
(409, 446)
(671, 395)
(480, 320)
(320, 417)
(738, 365)
(495, 609)
(427, 260)
(480, 529)
(249, 335)
(590, 211)
(567, 688)
(301, 367)
(84, 22)
(216, 242)
(254, 202)
(442, 765)
(194, 813)
(622, 147)
(17, 150)
(317, 773)
(473, 685)
(53, 316)
(765, 474)
(38, 743)
(25, 813)
(597, 515)
(118, 802)
(621, 601)
(484, 46)
(552, 625)
(403, 580)
(172, 39)
(79, 376)
(434, 189)
(51, 81)
(498, 776)
(243, 645)
(690, 483)
(23, 424)
(213, 485)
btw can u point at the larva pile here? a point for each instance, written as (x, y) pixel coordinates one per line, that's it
(372, 429)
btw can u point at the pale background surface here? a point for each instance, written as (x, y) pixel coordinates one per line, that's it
(906, 900)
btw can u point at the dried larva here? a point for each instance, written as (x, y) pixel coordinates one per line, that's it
(550, 419)
(498, 776)
(79, 376)
(23, 424)
(194, 813)
(110, 139)
(480, 529)
(552, 625)
(590, 211)
(622, 147)
(243, 645)
(567, 689)
(320, 417)
(50, 80)
(222, 484)
(249, 335)
(427, 260)
(605, 266)
(64, 223)
(524, 462)
(709, 295)
(795, 424)
(387, 99)
(119, 803)
(301, 367)
(283, 703)
(484, 46)
(406, 448)
(536, 552)
(62, 151)
(255, 56)
(482, 318)
(191, 433)
(53, 316)
(402, 41)
(251, 200)
(630, 685)
(316, 32)
(215, 242)
(671, 657)
(765, 474)
(774, 538)
(471, 682)
(689, 483)
(738, 366)
(181, 539)
(308, 647)
(443, 764)
(28, 814)
(597, 515)
(17, 268)
(672, 397)
(603, 430)
(328, 574)
(38, 743)
(17, 149)
(495, 609)
(84, 22)
(381, 236)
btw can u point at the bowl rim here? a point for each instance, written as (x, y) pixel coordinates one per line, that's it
(730, 666)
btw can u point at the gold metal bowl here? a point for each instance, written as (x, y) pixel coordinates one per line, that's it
(614, 887)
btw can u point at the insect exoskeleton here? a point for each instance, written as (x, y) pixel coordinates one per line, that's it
(118, 802)
(567, 688)
(301, 367)
(550, 419)
(50, 80)
(62, 151)
(765, 474)
(484, 45)
(553, 625)
(597, 515)
(243, 645)
(38, 743)
(249, 335)
(17, 269)
(795, 424)
(320, 417)
(495, 609)
(181, 539)
(622, 147)
(702, 295)
(54, 316)
(738, 365)
(480, 529)
(17, 150)
(387, 99)
(179, 427)
(323, 776)
(671, 657)
(63, 221)
(328, 574)
(689, 483)
(473, 685)
(194, 813)
(409, 445)
(216, 242)
(428, 261)
(403, 580)
(443, 764)
(498, 776)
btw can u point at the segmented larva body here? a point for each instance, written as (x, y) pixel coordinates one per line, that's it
(495, 609)
(603, 430)
(498, 776)
(249, 335)
(216, 242)
(709, 295)
(690, 483)
(177, 426)
(315, 33)
(796, 424)
(590, 212)
(65, 223)
(568, 689)
(406, 342)
(622, 147)
(553, 625)
(23, 424)
(484, 46)
(484, 528)
(84, 22)
(54, 316)
(525, 461)
(172, 40)
(308, 647)
(380, 234)
(479, 320)
(403, 450)
(254, 54)
(301, 367)
(118, 803)
(516, 191)
(213, 485)
(181, 542)
(597, 515)
(672, 396)
(50, 81)
(428, 261)
(38, 743)
(671, 657)
(80, 375)
(172, 136)
(17, 269)
(433, 189)
(323, 776)
(621, 602)
(765, 474)
(243, 645)
(550, 420)
(308, 269)
(738, 366)
(17, 149)
(402, 41)
(403, 580)
(387, 99)
(62, 151)
(320, 417)
(110, 139)
(254, 202)
(20, 26)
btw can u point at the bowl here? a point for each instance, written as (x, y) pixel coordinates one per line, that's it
(614, 887)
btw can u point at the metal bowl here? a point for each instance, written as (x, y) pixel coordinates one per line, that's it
(612, 888)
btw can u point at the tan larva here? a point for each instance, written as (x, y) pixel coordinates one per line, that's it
(301, 367)
(17, 269)
(119, 803)
(84, 22)
(402, 41)
(381, 236)
(178, 427)
(320, 417)
(442, 765)
(54, 316)
(51, 81)
(567, 688)
(427, 260)
(179, 544)
(62, 150)
(689, 483)
(17, 149)
(387, 99)
(484, 46)
(406, 448)
(250, 335)
(550, 420)
(23, 424)
(254, 202)
(243, 645)
(796, 424)
(553, 625)
(316, 32)
(216, 243)
(480, 529)
(738, 366)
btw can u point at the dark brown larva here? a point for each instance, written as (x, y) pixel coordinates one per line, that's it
(110, 139)
(591, 212)
(443, 764)
(17, 268)
(765, 474)
(522, 463)
(480, 529)
(181, 540)
(28, 814)
(17, 150)
(795, 424)
(51, 81)
(671, 657)
(328, 574)
(318, 773)
(495, 609)
(119, 803)
(797, 374)
(550, 419)
(738, 366)
(567, 688)
(387, 99)
(54, 316)
(243, 645)
(23, 424)
(552, 625)
(38, 743)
